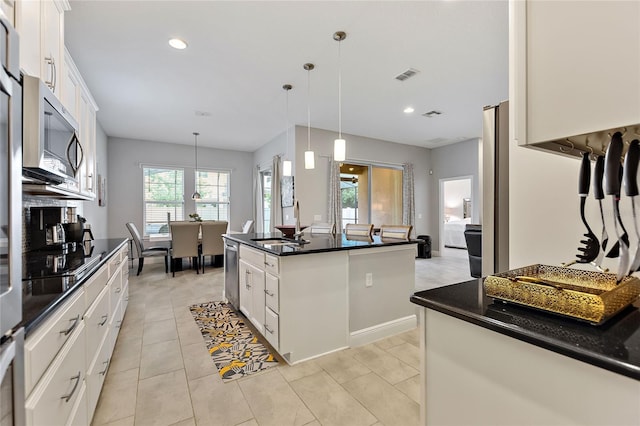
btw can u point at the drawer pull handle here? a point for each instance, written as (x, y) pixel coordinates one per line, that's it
(68, 397)
(269, 293)
(106, 367)
(119, 324)
(118, 290)
(269, 264)
(267, 328)
(72, 326)
(104, 320)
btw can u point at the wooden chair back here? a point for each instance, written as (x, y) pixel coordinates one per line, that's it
(212, 243)
(359, 229)
(398, 232)
(322, 228)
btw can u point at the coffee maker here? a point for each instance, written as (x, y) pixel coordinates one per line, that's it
(47, 230)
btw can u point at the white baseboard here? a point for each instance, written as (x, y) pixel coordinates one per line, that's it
(381, 331)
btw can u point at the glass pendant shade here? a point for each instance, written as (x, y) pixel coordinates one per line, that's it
(309, 160)
(339, 150)
(286, 168)
(195, 196)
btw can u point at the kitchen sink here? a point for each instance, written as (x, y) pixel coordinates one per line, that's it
(275, 242)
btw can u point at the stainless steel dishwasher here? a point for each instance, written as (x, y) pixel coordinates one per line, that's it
(231, 280)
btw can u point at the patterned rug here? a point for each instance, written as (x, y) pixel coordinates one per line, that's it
(235, 351)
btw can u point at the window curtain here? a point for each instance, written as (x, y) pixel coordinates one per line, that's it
(276, 203)
(408, 199)
(257, 200)
(335, 197)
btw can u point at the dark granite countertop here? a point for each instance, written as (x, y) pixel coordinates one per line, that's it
(615, 345)
(42, 293)
(317, 243)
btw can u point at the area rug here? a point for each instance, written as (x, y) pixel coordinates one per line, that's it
(235, 351)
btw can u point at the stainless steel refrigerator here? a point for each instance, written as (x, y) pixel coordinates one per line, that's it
(494, 181)
(12, 410)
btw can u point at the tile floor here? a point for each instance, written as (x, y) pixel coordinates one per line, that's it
(161, 372)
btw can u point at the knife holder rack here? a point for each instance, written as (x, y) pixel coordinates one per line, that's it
(593, 296)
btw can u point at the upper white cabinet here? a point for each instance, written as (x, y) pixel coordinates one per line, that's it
(41, 28)
(574, 67)
(78, 100)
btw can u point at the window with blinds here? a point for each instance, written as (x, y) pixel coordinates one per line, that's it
(163, 198)
(213, 187)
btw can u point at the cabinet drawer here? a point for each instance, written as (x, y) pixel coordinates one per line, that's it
(252, 256)
(96, 374)
(95, 285)
(53, 399)
(115, 289)
(79, 413)
(271, 293)
(97, 323)
(114, 264)
(272, 264)
(42, 345)
(271, 328)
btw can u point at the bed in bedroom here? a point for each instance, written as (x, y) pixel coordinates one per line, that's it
(454, 233)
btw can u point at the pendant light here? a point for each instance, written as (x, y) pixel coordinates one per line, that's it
(339, 145)
(309, 159)
(286, 164)
(196, 194)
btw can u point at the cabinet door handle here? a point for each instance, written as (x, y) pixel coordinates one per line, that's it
(72, 326)
(50, 83)
(119, 324)
(247, 277)
(106, 367)
(75, 386)
(54, 77)
(104, 320)
(269, 293)
(267, 328)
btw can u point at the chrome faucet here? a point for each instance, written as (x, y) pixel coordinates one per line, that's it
(296, 214)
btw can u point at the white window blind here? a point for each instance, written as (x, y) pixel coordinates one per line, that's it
(163, 196)
(213, 187)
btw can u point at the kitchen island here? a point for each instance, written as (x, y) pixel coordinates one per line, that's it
(328, 293)
(512, 365)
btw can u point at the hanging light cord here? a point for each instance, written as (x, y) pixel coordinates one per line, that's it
(196, 151)
(339, 93)
(287, 120)
(308, 110)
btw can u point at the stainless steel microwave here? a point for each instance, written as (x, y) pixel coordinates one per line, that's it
(51, 151)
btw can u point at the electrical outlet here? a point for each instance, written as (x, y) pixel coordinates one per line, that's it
(368, 279)
(286, 216)
(419, 215)
(317, 217)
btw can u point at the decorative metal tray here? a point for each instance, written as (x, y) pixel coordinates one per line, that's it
(586, 295)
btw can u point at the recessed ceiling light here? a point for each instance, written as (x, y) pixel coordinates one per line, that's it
(408, 110)
(176, 43)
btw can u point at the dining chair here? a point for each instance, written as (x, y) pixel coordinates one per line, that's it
(212, 243)
(247, 227)
(399, 232)
(184, 243)
(147, 251)
(359, 229)
(322, 228)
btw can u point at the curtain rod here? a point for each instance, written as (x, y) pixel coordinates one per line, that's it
(364, 162)
(174, 166)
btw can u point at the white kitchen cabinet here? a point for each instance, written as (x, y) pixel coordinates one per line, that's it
(574, 68)
(41, 28)
(77, 339)
(252, 302)
(77, 98)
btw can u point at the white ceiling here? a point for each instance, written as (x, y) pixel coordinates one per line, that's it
(241, 53)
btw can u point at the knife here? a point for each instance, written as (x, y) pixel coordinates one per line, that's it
(612, 187)
(631, 189)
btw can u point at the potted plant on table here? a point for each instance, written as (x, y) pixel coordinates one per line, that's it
(195, 217)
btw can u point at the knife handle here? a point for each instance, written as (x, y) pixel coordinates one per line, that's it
(612, 165)
(598, 172)
(584, 179)
(631, 168)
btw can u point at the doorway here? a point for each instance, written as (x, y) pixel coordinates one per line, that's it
(457, 208)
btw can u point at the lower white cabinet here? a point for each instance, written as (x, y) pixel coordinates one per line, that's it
(53, 399)
(271, 328)
(252, 294)
(67, 357)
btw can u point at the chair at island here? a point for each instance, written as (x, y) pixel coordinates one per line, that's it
(358, 229)
(247, 228)
(395, 231)
(322, 228)
(212, 243)
(148, 251)
(184, 243)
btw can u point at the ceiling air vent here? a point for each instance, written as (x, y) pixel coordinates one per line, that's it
(407, 74)
(432, 113)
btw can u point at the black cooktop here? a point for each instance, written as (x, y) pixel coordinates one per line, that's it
(73, 260)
